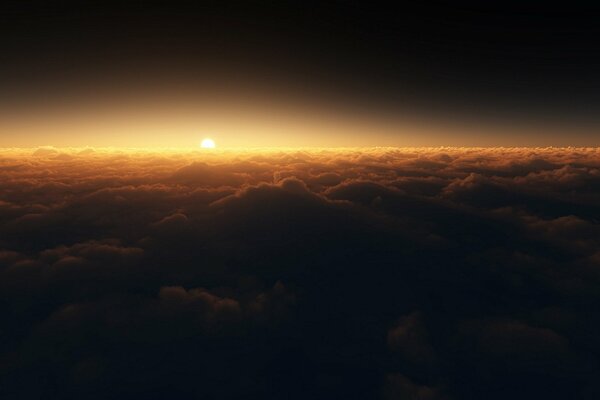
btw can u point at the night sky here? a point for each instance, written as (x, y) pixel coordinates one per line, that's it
(328, 200)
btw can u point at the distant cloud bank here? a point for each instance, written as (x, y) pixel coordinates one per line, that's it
(449, 273)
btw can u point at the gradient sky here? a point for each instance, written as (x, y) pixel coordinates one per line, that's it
(146, 74)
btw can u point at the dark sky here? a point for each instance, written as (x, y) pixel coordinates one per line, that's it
(537, 62)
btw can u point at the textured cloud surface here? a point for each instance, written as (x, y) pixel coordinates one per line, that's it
(374, 273)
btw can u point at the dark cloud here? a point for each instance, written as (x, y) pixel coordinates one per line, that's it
(373, 273)
(399, 387)
(409, 338)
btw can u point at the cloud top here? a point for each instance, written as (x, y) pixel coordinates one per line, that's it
(309, 273)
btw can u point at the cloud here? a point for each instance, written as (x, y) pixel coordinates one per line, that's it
(511, 344)
(297, 274)
(399, 387)
(409, 339)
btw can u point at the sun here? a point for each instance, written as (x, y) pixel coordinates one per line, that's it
(208, 143)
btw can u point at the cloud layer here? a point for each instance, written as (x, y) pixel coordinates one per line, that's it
(375, 273)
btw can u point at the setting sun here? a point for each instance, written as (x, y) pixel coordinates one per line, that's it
(208, 143)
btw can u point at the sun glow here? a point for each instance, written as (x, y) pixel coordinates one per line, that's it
(208, 143)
